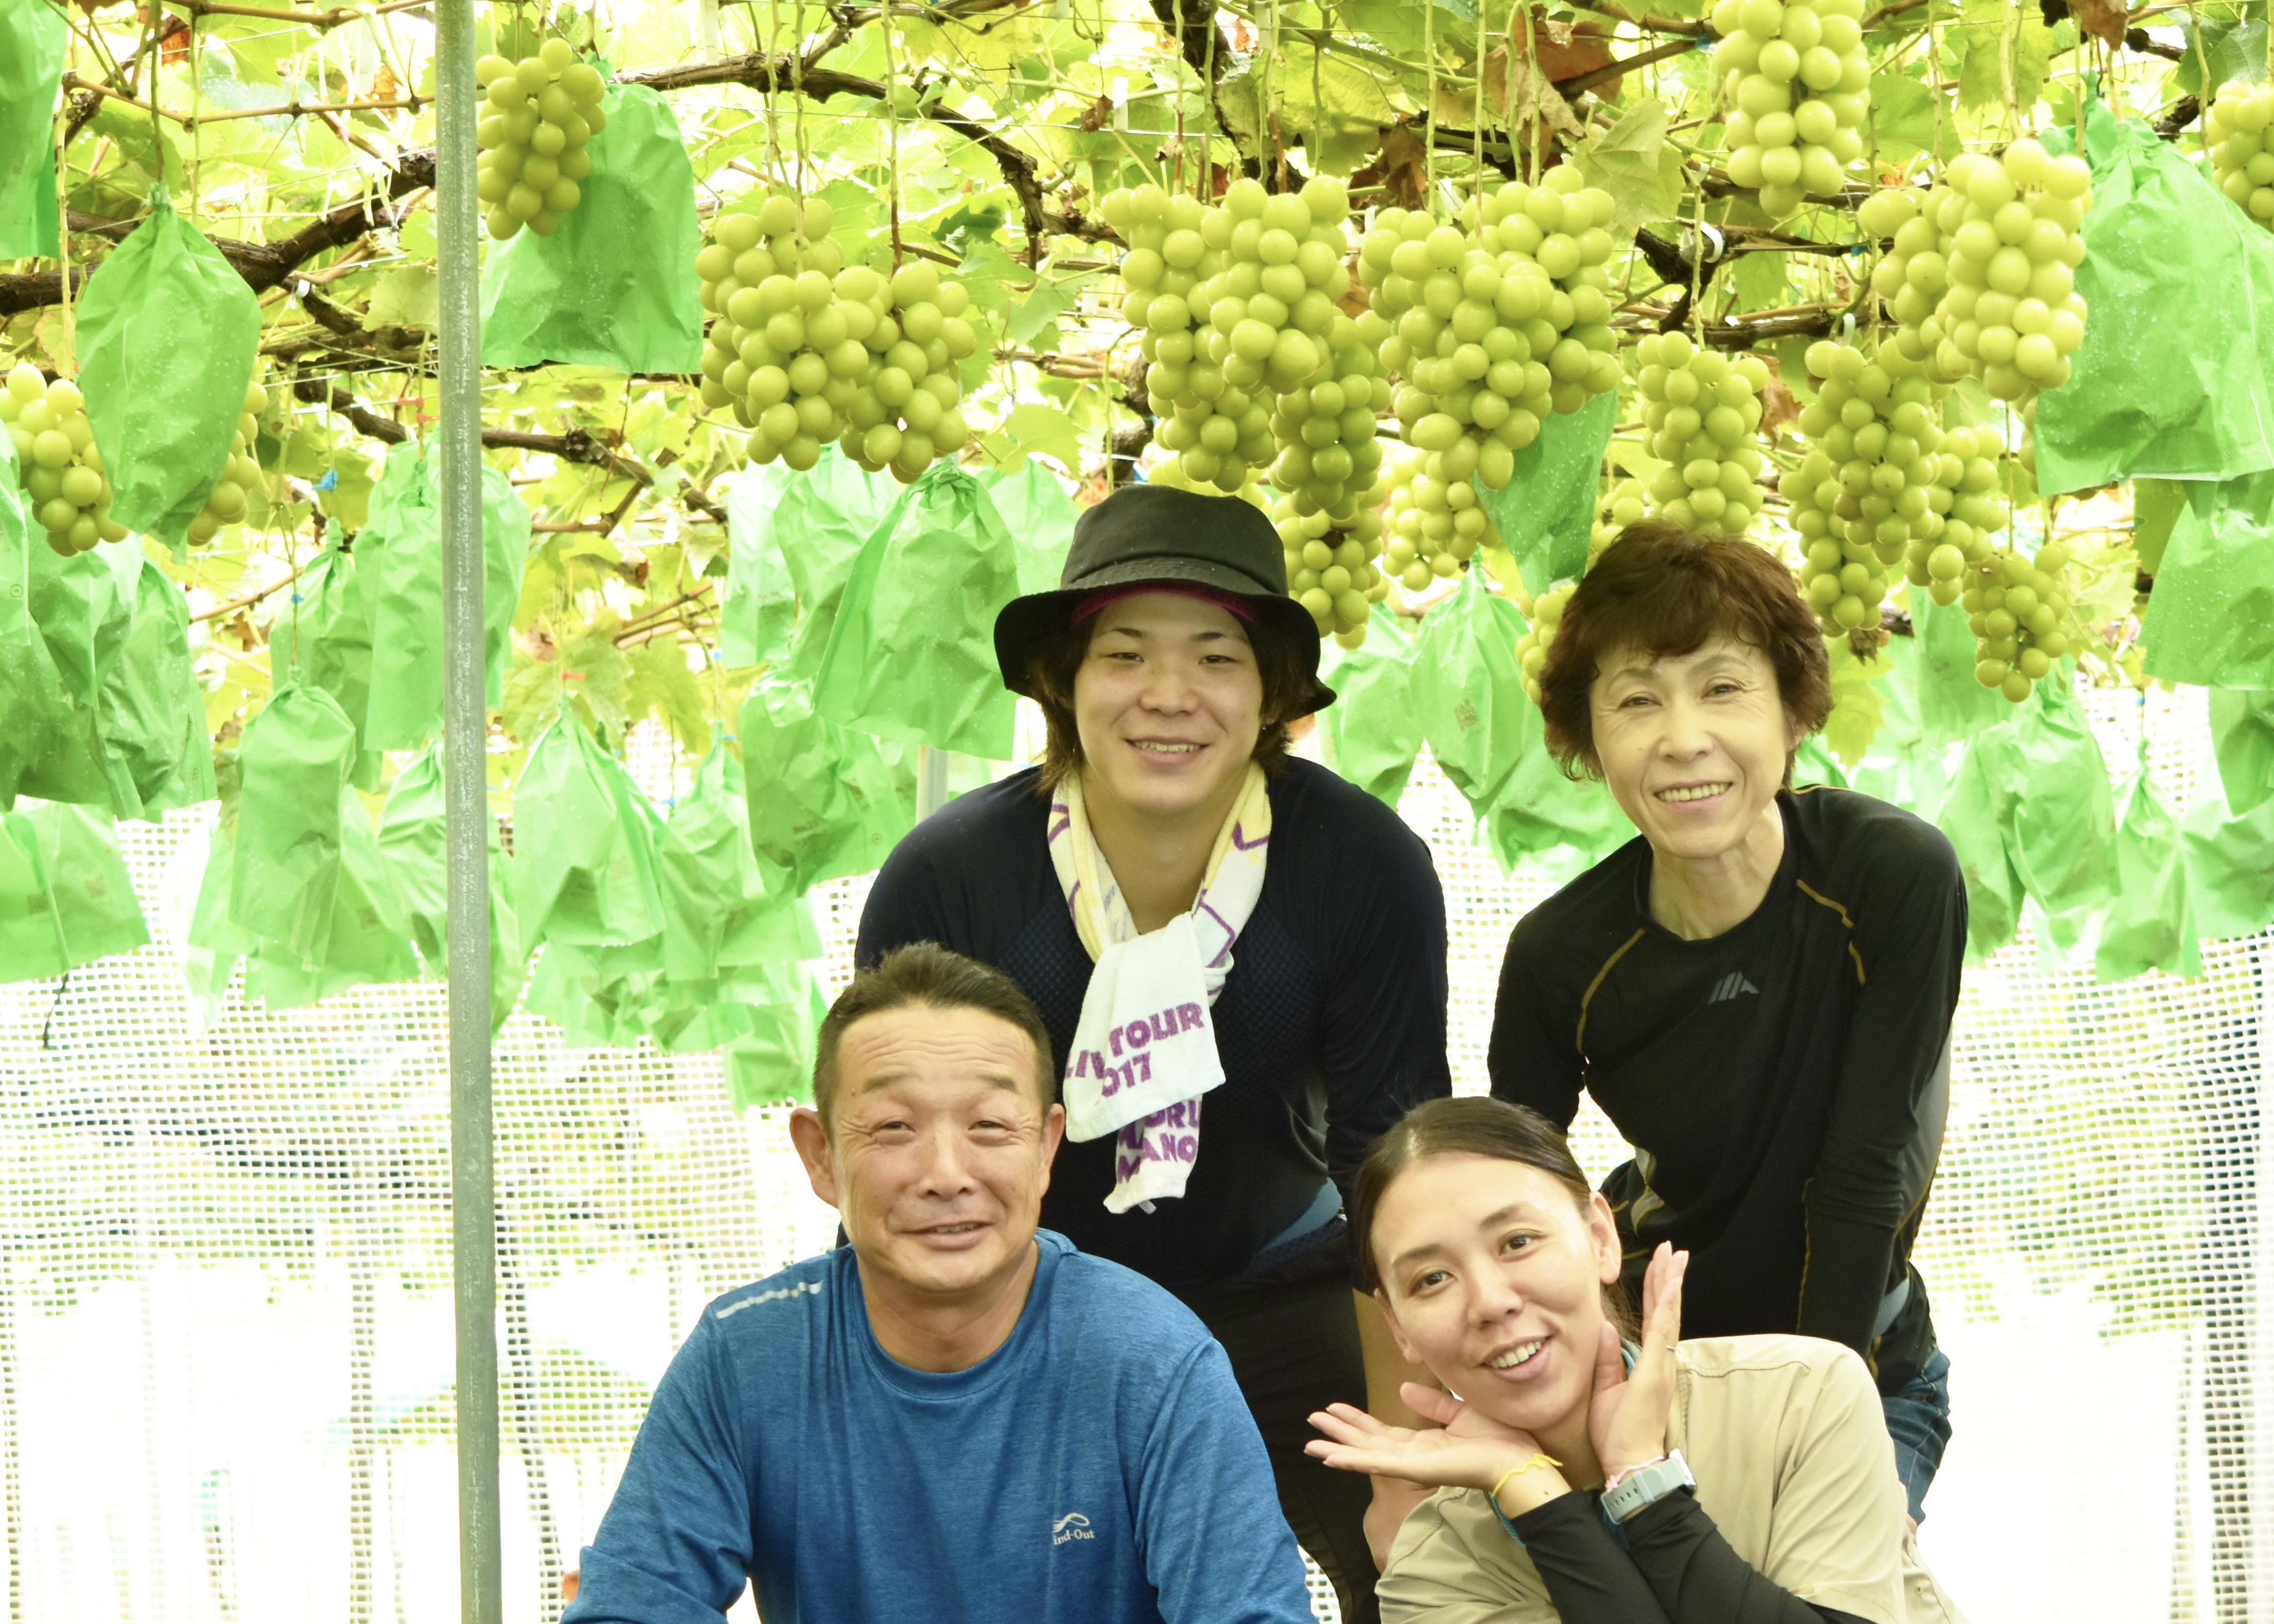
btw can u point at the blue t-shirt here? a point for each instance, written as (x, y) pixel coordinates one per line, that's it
(1099, 1468)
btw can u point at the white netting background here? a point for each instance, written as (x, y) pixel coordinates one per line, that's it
(225, 1320)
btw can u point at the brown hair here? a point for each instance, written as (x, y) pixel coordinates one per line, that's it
(1279, 660)
(927, 974)
(1666, 590)
(1475, 1125)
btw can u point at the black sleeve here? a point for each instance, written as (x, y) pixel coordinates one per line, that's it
(1677, 1568)
(1533, 1058)
(1382, 1038)
(1910, 937)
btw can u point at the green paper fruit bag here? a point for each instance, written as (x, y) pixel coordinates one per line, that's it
(34, 41)
(365, 939)
(2149, 925)
(1035, 507)
(2230, 864)
(584, 849)
(2163, 385)
(1973, 817)
(399, 574)
(65, 899)
(167, 335)
(152, 714)
(1546, 513)
(614, 285)
(48, 744)
(773, 1063)
(413, 838)
(2242, 744)
(214, 945)
(2210, 618)
(911, 653)
(1371, 734)
(820, 526)
(823, 802)
(719, 914)
(759, 618)
(292, 765)
(320, 636)
(1952, 704)
(2062, 832)
(1468, 692)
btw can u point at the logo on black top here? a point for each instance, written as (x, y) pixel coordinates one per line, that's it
(1729, 986)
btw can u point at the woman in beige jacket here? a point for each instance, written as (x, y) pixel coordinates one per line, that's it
(1586, 1476)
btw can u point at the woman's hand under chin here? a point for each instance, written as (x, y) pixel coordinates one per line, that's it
(1627, 1417)
(1468, 1450)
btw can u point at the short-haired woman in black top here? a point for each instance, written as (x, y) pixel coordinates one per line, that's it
(1758, 991)
(1240, 957)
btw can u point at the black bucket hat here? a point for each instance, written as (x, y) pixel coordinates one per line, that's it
(1146, 533)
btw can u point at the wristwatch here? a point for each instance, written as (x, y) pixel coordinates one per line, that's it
(1645, 1485)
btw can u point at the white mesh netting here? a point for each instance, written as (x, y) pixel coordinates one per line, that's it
(225, 1318)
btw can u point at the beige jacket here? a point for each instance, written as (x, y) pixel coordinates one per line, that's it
(1790, 1450)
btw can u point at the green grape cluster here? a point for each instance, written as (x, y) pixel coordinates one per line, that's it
(1331, 564)
(539, 113)
(56, 460)
(908, 412)
(2241, 152)
(1995, 245)
(2018, 608)
(789, 350)
(1797, 80)
(227, 502)
(1497, 321)
(1239, 306)
(1435, 523)
(1540, 634)
(1965, 492)
(1328, 456)
(1700, 408)
(1627, 503)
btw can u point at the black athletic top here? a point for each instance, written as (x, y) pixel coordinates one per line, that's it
(1667, 1564)
(1783, 1084)
(1330, 1026)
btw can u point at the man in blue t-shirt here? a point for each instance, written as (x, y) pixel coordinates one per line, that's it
(957, 1418)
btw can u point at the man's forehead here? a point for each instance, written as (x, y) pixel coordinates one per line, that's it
(931, 1046)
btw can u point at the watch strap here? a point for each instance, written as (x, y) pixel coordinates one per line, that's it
(1647, 1485)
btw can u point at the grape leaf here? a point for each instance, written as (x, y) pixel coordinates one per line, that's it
(1989, 30)
(1035, 428)
(1902, 119)
(1633, 162)
(2218, 50)
(1024, 322)
(661, 685)
(408, 297)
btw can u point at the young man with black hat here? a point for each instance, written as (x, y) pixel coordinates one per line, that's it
(1241, 958)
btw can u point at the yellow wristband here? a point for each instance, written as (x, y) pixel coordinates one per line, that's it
(1548, 1461)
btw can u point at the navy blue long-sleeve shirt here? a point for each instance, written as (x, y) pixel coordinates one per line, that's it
(1330, 1027)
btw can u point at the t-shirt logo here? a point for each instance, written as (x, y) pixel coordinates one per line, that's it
(1070, 1527)
(1729, 986)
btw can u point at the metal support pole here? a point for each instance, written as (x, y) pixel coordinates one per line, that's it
(466, 795)
(931, 780)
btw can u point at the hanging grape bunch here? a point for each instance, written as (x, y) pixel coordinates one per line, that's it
(906, 413)
(1796, 78)
(1328, 456)
(1875, 488)
(227, 502)
(1433, 525)
(1331, 568)
(56, 460)
(2241, 152)
(541, 112)
(1166, 259)
(789, 351)
(1627, 503)
(2017, 608)
(1965, 485)
(1540, 634)
(1701, 409)
(2006, 252)
(1913, 273)
(1497, 326)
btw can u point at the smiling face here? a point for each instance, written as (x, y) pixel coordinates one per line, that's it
(1694, 746)
(939, 1150)
(1168, 703)
(1492, 1276)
